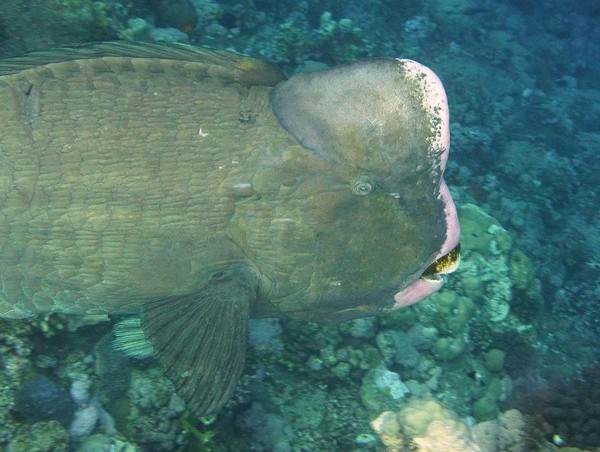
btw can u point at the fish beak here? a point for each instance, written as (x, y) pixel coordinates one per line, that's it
(430, 281)
(444, 265)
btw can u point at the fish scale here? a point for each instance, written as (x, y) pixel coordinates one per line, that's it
(107, 180)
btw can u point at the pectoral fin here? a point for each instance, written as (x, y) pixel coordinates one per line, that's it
(130, 339)
(200, 339)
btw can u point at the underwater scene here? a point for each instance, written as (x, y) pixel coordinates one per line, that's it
(308, 314)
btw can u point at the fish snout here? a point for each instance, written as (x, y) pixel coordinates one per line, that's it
(446, 261)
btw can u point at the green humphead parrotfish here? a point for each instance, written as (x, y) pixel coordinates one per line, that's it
(193, 189)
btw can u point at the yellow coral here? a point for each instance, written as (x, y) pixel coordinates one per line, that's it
(426, 425)
(387, 427)
(446, 435)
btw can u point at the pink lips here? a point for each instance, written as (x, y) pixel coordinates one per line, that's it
(434, 101)
(452, 226)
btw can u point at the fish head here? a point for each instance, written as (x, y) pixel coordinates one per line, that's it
(381, 224)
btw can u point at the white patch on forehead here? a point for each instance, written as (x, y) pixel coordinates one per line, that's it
(435, 104)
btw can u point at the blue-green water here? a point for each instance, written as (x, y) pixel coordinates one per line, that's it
(515, 328)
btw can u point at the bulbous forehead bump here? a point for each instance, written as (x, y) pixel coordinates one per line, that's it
(386, 116)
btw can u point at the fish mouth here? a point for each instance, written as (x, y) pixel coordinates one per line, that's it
(444, 265)
(430, 281)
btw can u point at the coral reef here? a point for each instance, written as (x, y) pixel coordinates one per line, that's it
(39, 437)
(382, 389)
(424, 425)
(40, 398)
(508, 433)
(39, 24)
(567, 408)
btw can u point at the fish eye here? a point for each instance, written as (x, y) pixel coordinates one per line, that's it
(362, 186)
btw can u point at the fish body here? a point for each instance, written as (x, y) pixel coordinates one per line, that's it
(197, 188)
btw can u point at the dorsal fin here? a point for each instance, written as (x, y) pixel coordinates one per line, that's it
(238, 67)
